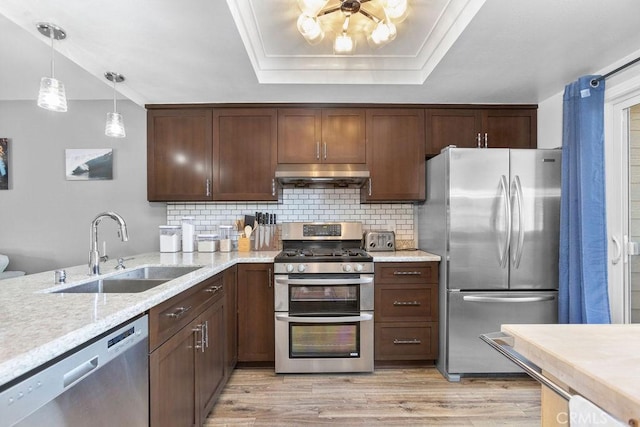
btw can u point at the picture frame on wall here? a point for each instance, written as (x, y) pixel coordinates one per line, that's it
(88, 164)
(4, 163)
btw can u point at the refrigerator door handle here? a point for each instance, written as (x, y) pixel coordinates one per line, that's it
(478, 298)
(519, 199)
(504, 258)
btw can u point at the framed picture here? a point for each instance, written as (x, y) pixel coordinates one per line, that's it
(89, 164)
(4, 164)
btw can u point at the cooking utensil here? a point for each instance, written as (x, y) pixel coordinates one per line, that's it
(247, 231)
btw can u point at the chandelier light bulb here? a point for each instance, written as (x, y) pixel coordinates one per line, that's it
(395, 9)
(310, 29)
(383, 33)
(343, 44)
(312, 7)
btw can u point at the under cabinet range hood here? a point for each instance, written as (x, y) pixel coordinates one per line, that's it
(322, 175)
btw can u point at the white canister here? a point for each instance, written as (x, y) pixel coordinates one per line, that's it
(170, 238)
(207, 242)
(225, 238)
(188, 233)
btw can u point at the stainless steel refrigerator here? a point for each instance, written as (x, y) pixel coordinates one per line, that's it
(493, 216)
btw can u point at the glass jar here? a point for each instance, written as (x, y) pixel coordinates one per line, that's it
(188, 233)
(170, 238)
(207, 242)
(225, 237)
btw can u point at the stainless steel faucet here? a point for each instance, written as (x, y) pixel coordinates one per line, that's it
(94, 254)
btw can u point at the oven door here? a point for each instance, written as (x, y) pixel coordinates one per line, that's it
(310, 344)
(324, 294)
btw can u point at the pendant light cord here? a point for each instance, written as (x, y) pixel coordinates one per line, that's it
(114, 93)
(51, 36)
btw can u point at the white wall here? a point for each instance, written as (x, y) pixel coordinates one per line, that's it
(44, 219)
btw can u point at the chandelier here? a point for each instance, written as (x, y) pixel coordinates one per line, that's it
(379, 28)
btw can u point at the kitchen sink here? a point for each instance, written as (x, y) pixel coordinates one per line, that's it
(131, 281)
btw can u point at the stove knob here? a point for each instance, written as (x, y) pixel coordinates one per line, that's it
(347, 268)
(358, 267)
(289, 268)
(301, 268)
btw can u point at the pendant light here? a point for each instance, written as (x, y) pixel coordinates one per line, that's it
(115, 124)
(52, 95)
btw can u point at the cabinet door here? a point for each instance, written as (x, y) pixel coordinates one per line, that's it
(299, 135)
(172, 376)
(256, 323)
(459, 127)
(245, 153)
(510, 128)
(343, 135)
(395, 155)
(231, 319)
(210, 357)
(178, 154)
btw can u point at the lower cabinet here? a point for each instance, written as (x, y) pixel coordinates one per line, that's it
(187, 354)
(256, 323)
(406, 312)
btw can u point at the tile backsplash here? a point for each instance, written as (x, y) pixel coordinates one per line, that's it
(304, 204)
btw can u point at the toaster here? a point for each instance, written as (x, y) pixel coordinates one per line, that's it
(379, 241)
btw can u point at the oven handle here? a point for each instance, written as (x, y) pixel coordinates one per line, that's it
(325, 282)
(333, 319)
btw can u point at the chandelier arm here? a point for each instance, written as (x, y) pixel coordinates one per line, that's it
(329, 10)
(370, 16)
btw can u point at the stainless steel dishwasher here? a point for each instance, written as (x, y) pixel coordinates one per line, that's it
(103, 383)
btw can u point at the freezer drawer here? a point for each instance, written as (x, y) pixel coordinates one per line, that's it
(471, 314)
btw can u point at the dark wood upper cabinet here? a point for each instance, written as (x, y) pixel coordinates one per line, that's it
(245, 153)
(480, 127)
(321, 135)
(178, 154)
(395, 155)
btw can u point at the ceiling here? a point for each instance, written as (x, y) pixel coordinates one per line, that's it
(212, 51)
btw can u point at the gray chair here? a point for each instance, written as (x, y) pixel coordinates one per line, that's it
(4, 262)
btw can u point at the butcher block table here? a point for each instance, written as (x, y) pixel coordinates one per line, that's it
(598, 362)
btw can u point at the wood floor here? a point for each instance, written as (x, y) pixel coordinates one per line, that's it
(388, 397)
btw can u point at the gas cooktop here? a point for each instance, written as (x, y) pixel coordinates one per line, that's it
(323, 255)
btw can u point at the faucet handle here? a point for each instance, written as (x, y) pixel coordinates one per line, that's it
(120, 265)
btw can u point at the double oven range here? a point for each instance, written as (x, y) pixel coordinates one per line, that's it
(323, 299)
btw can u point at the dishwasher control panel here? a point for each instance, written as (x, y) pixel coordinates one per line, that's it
(36, 390)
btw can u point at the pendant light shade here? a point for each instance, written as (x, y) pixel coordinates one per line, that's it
(115, 123)
(52, 95)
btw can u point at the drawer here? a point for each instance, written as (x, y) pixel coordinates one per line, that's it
(170, 316)
(406, 341)
(406, 272)
(407, 302)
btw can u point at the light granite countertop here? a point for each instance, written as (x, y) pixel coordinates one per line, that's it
(599, 362)
(37, 326)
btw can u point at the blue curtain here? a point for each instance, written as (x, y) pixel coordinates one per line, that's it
(583, 295)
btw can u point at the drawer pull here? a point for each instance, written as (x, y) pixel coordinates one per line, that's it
(180, 311)
(213, 289)
(411, 341)
(407, 273)
(407, 303)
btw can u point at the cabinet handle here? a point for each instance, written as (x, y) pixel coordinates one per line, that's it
(486, 140)
(208, 187)
(370, 187)
(407, 303)
(206, 333)
(479, 140)
(180, 311)
(325, 150)
(273, 186)
(270, 284)
(411, 341)
(213, 289)
(199, 344)
(317, 150)
(407, 273)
